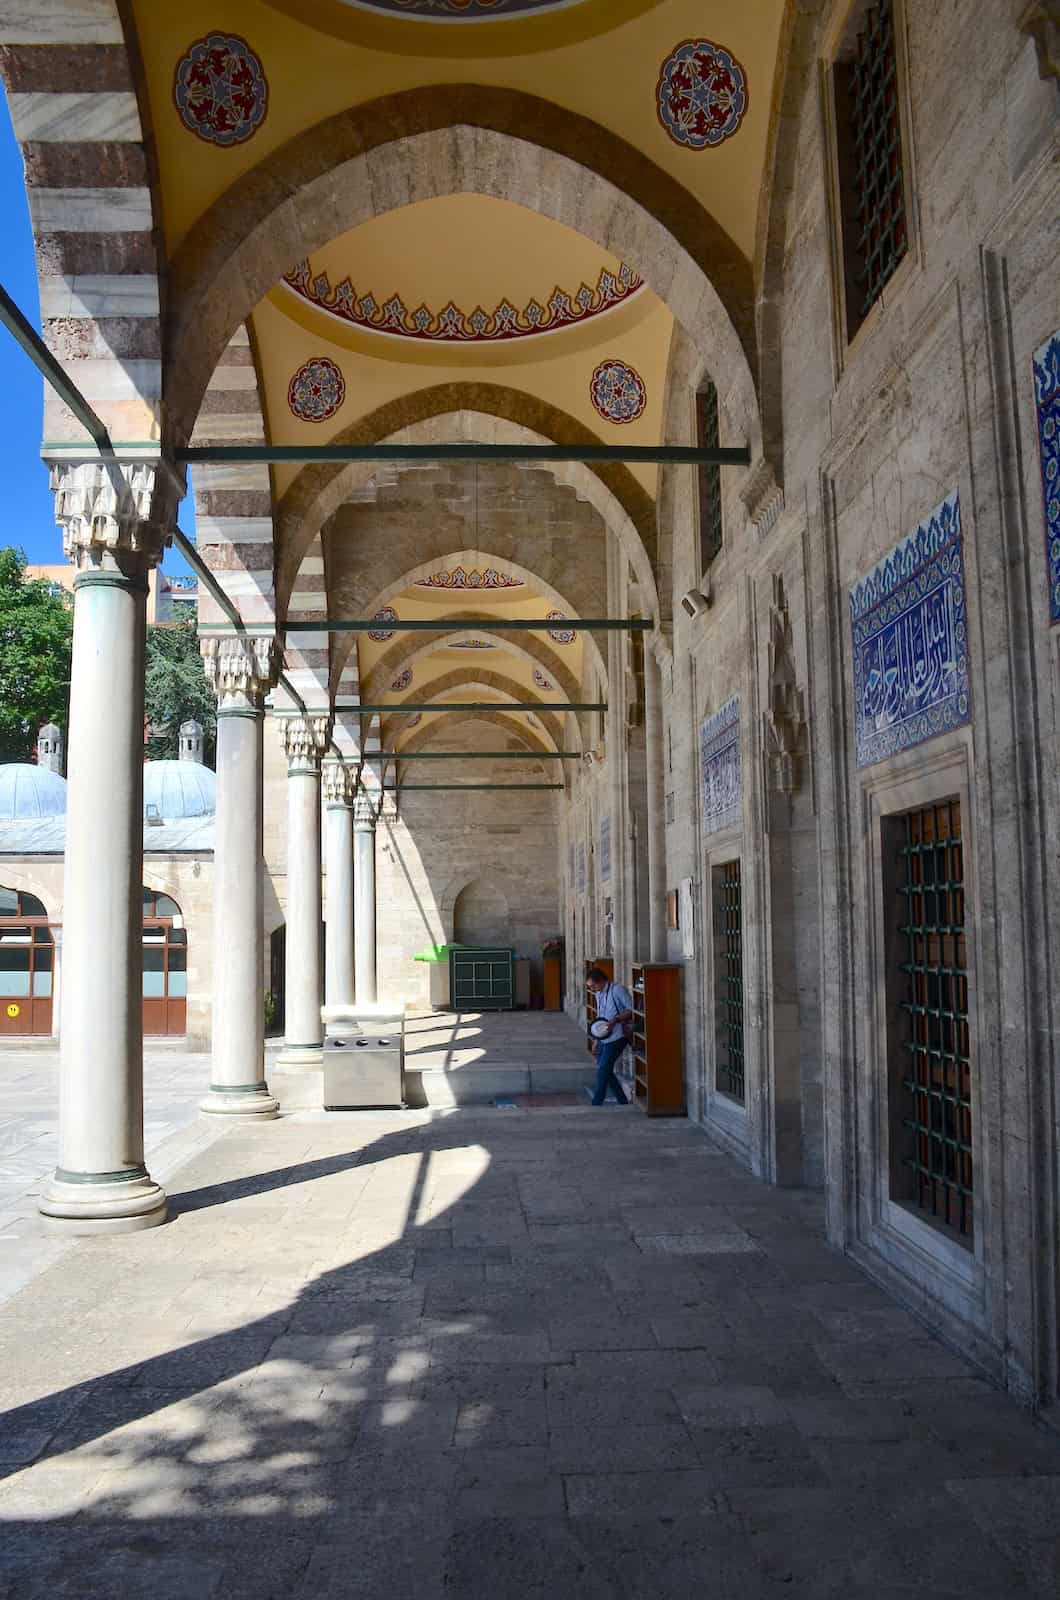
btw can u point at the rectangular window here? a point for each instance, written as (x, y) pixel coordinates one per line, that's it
(930, 1111)
(728, 981)
(708, 436)
(870, 161)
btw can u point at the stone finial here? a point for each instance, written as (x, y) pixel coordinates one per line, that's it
(364, 811)
(240, 670)
(121, 509)
(785, 721)
(305, 739)
(1042, 21)
(190, 742)
(337, 787)
(50, 748)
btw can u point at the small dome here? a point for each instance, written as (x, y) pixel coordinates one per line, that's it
(28, 792)
(179, 789)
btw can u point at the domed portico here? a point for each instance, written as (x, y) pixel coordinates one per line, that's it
(626, 521)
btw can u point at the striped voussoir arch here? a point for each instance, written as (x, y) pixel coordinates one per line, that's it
(308, 655)
(233, 500)
(72, 97)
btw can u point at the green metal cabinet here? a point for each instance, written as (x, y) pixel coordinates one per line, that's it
(481, 980)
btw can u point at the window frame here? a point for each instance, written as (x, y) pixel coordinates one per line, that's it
(703, 562)
(845, 345)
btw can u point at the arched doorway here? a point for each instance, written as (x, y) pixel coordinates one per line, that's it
(27, 964)
(165, 966)
(480, 915)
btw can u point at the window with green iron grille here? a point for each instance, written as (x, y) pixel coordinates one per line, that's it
(708, 436)
(931, 1093)
(728, 981)
(872, 197)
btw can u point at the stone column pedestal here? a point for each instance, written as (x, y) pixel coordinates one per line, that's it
(305, 739)
(113, 521)
(241, 671)
(364, 820)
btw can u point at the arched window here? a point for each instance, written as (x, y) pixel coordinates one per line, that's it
(165, 965)
(27, 964)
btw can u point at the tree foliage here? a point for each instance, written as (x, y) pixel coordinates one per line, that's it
(176, 690)
(36, 633)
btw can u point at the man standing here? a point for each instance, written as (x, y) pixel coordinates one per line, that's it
(614, 1004)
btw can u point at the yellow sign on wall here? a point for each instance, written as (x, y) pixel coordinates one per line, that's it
(13, 1010)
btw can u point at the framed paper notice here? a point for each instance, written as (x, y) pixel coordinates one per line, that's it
(686, 917)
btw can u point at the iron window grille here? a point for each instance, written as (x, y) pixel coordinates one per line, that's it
(870, 159)
(708, 436)
(728, 945)
(934, 1170)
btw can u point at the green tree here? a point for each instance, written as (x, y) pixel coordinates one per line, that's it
(36, 632)
(176, 690)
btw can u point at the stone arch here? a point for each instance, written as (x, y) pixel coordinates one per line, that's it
(410, 648)
(515, 730)
(447, 139)
(571, 603)
(552, 721)
(27, 882)
(486, 413)
(480, 913)
(793, 78)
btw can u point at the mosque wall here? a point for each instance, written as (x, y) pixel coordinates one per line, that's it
(915, 444)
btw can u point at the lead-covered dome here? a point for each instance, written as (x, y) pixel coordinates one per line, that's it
(28, 792)
(179, 789)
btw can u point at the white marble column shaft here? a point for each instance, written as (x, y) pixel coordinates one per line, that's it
(364, 901)
(305, 739)
(653, 753)
(338, 941)
(241, 672)
(101, 1183)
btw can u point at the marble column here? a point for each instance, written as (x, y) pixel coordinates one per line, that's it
(305, 739)
(653, 755)
(338, 942)
(241, 672)
(364, 820)
(113, 521)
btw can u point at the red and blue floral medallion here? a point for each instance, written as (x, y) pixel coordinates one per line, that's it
(220, 89)
(541, 681)
(317, 390)
(381, 635)
(561, 635)
(403, 679)
(618, 392)
(701, 95)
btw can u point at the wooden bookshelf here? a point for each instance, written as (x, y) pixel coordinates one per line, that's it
(606, 965)
(658, 1070)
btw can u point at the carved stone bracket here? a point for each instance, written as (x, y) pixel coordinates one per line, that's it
(337, 784)
(785, 720)
(104, 508)
(1042, 21)
(305, 739)
(240, 671)
(763, 497)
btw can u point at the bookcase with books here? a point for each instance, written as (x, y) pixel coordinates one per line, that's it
(658, 1068)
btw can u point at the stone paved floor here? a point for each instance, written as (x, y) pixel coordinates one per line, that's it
(497, 1353)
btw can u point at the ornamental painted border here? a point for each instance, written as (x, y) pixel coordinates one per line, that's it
(721, 771)
(460, 10)
(469, 578)
(701, 97)
(452, 325)
(198, 105)
(1047, 407)
(910, 641)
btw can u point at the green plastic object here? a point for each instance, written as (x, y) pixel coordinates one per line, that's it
(437, 952)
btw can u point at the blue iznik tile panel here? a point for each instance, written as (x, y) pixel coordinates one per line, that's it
(911, 641)
(719, 747)
(605, 848)
(1047, 398)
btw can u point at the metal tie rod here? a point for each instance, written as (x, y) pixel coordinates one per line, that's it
(402, 708)
(403, 788)
(478, 755)
(473, 624)
(671, 455)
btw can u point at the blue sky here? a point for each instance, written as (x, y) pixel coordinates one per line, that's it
(28, 510)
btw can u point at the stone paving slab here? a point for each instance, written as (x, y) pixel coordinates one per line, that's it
(400, 1355)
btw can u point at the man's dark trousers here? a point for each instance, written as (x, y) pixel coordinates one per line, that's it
(606, 1057)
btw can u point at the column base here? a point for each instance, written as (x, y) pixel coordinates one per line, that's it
(235, 1100)
(84, 1203)
(301, 1055)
